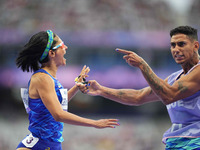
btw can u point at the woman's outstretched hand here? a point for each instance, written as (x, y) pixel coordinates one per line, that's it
(106, 123)
(83, 75)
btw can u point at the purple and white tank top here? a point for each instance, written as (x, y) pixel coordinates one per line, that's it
(184, 113)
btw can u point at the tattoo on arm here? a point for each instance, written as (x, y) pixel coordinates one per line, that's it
(181, 87)
(152, 78)
(150, 92)
(119, 94)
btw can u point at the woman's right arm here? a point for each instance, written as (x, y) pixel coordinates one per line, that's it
(44, 86)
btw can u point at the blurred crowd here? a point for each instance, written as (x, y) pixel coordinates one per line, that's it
(131, 15)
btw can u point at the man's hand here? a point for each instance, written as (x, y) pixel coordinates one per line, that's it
(91, 88)
(131, 58)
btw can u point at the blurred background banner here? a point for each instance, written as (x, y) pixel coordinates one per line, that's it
(92, 29)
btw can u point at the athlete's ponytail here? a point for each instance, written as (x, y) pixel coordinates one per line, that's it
(29, 58)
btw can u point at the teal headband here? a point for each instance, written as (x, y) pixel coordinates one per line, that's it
(50, 41)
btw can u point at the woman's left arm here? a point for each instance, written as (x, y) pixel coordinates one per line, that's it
(80, 78)
(72, 92)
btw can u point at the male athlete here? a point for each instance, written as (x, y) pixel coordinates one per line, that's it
(180, 91)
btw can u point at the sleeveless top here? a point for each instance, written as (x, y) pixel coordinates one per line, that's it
(184, 113)
(41, 122)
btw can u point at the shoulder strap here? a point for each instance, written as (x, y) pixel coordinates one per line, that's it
(44, 71)
(40, 70)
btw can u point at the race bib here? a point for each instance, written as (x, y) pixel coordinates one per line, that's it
(64, 102)
(24, 96)
(30, 141)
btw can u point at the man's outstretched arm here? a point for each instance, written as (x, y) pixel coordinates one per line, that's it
(123, 96)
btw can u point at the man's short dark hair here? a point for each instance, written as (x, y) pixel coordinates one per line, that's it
(187, 30)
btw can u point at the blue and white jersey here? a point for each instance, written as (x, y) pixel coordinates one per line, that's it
(41, 122)
(184, 113)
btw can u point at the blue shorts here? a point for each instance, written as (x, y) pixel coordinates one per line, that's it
(35, 143)
(183, 143)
